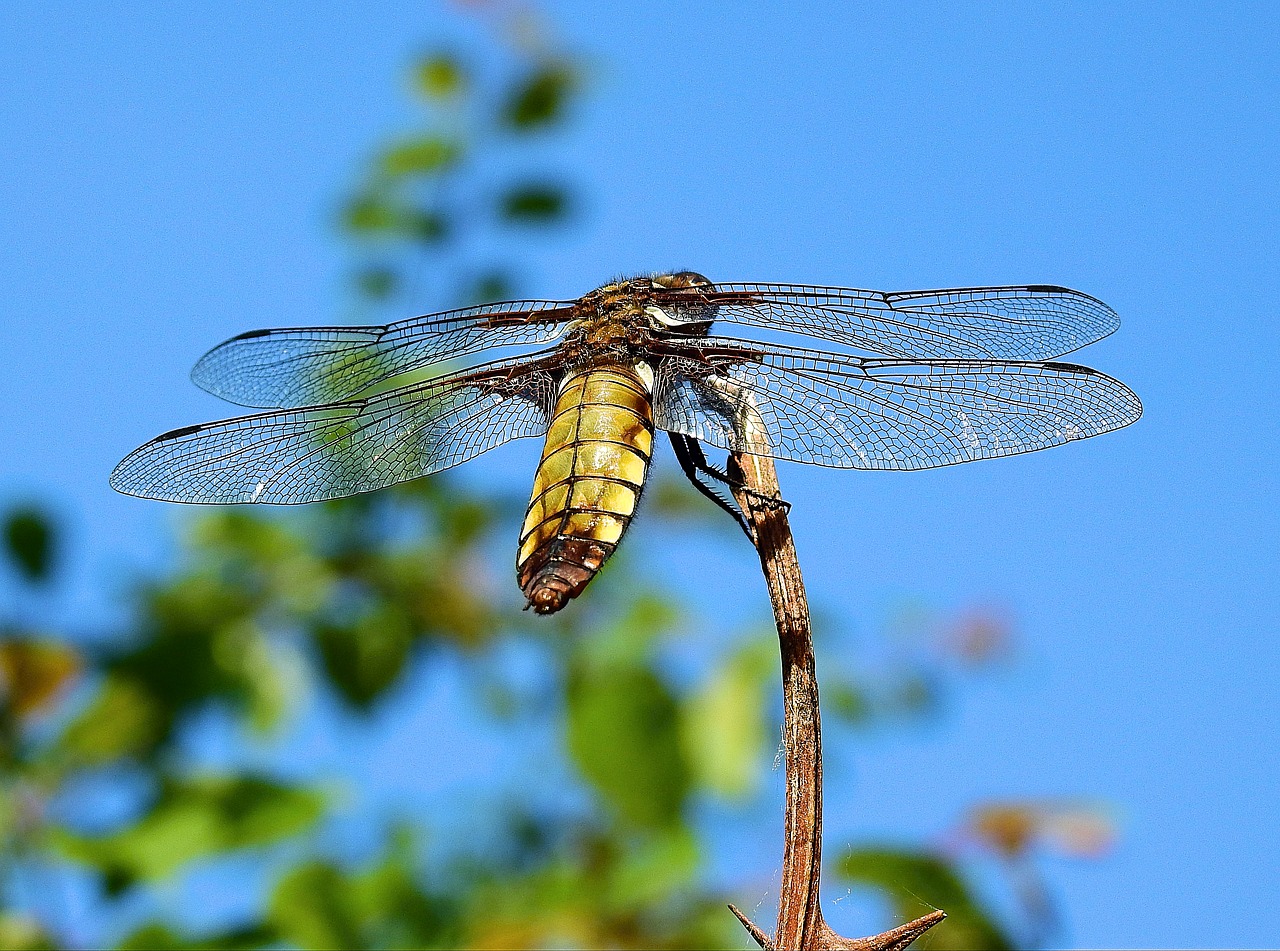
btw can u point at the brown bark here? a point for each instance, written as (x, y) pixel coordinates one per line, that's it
(800, 923)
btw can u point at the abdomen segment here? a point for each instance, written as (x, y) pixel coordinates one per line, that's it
(585, 491)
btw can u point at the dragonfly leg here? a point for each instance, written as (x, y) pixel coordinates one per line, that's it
(702, 473)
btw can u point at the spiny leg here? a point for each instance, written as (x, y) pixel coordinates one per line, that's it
(723, 476)
(696, 468)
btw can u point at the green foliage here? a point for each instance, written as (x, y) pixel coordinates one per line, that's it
(164, 938)
(121, 722)
(420, 202)
(34, 672)
(194, 818)
(725, 728)
(623, 733)
(381, 215)
(371, 214)
(623, 720)
(595, 888)
(440, 77)
(319, 907)
(534, 204)
(491, 286)
(421, 156)
(377, 283)
(366, 657)
(542, 98)
(28, 540)
(22, 933)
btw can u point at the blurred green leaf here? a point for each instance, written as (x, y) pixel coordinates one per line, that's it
(245, 546)
(724, 729)
(318, 905)
(365, 658)
(463, 522)
(623, 733)
(313, 907)
(847, 700)
(153, 935)
(160, 936)
(916, 693)
(377, 215)
(20, 932)
(370, 213)
(534, 204)
(196, 818)
(656, 868)
(196, 640)
(34, 673)
(674, 499)
(427, 227)
(628, 640)
(377, 283)
(421, 156)
(916, 883)
(29, 542)
(121, 721)
(440, 77)
(396, 910)
(540, 99)
(490, 287)
(599, 890)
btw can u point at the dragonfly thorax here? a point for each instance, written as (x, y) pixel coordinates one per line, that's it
(617, 323)
(615, 333)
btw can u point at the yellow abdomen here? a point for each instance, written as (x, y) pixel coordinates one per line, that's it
(588, 482)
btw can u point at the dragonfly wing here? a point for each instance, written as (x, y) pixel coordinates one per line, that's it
(848, 412)
(340, 449)
(307, 366)
(1029, 322)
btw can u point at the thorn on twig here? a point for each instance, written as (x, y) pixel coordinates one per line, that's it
(895, 939)
(760, 937)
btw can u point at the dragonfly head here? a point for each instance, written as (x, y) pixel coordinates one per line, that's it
(686, 312)
(680, 279)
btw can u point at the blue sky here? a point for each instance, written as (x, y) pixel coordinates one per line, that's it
(169, 178)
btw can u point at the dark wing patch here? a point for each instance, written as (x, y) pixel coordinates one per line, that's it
(306, 366)
(1030, 322)
(340, 449)
(848, 412)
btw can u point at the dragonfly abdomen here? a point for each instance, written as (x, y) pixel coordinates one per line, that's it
(587, 485)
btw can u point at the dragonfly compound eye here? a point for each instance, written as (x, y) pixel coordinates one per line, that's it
(681, 279)
(683, 310)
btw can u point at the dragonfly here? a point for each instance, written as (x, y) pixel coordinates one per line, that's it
(904, 380)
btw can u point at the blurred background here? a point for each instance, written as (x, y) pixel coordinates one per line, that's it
(1048, 681)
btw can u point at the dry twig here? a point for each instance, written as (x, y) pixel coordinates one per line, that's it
(800, 924)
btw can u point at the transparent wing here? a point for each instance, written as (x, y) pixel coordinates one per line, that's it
(1033, 322)
(847, 412)
(306, 366)
(326, 452)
